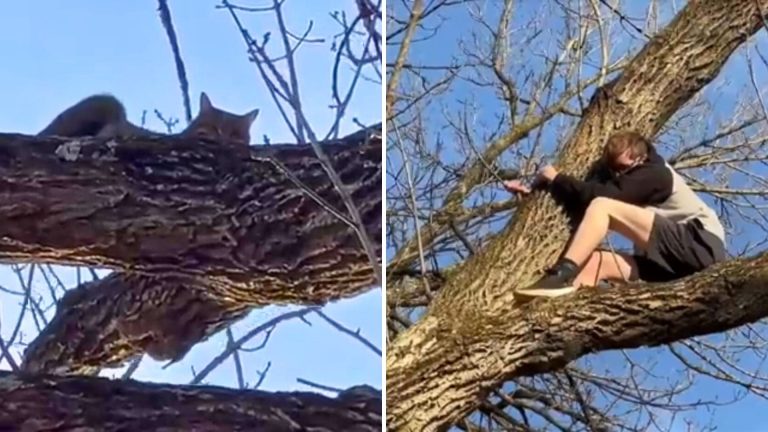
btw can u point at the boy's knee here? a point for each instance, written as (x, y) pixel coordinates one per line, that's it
(600, 204)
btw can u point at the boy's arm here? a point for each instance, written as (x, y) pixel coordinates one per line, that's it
(641, 186)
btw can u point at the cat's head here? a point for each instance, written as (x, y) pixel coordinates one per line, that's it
(214, 124)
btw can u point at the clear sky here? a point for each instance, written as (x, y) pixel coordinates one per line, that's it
(56, 52)
(452, 33)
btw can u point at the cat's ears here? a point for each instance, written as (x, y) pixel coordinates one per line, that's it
(205, 103)
(251, 116)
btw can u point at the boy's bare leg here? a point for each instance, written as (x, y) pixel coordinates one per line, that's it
(605, 265)
(602, 215)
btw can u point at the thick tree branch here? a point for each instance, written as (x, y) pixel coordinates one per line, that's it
(100, 404)
(417, 10)
(427, 388)
(202, 209)
(106, 322)
(544, 336)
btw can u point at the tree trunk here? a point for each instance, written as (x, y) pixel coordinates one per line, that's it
(100, 404)
(439, 369)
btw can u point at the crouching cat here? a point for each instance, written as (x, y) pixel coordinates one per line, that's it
(104, 115)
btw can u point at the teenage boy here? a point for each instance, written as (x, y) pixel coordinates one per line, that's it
(674, 232)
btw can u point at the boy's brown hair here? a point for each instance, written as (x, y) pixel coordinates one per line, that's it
(625, 140)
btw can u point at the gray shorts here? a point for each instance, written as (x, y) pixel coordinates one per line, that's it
(677, 250)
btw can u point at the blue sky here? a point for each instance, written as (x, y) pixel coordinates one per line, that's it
(455, 33)
(55, 53)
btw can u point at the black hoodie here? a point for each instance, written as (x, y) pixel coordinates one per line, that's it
(646, 184)
(652, 184)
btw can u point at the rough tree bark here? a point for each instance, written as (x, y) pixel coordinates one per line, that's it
(204, 232)
(230, 215)
(99, 404)
(439, 369)
(104, 323)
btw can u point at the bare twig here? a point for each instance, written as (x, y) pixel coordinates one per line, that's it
(318, 386)
(236, 358)
(245, 338)
(132, 367)
(355, 334)
(165, 17)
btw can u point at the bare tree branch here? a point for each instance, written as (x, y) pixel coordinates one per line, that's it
(234, 216)
(47, 403)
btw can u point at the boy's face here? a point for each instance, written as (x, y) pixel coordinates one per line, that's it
(624, 162)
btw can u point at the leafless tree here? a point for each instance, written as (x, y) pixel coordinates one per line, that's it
(173, 241)
(480, 91)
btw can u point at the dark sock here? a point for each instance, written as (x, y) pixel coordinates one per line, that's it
(568, 268)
